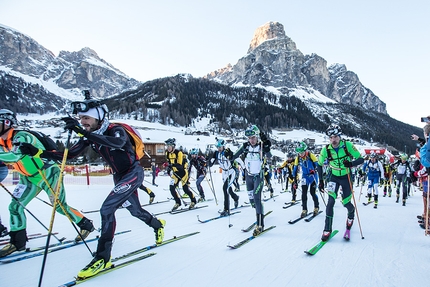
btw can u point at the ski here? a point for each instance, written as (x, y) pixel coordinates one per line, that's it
(367, 203)
(186, 209)
(289, 204)
(299, 218)
(215, 218)
(241, 206)
(180, 210)
(320, 244)
(243, 242)
(313, 216)
(38, 251)
(270, 197)
(146, 248)
(98, 210)
(254, 223)
(107, 270)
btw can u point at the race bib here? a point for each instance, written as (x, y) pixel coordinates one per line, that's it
(331, 186)
(19, 190)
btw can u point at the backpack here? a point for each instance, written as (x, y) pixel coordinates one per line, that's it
(345, 148)
(46, 140)
(135, 139)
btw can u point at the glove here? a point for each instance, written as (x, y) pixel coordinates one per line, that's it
(347, 163)
(263, 137)
(321, 185)
(29, 149)
(74, 125)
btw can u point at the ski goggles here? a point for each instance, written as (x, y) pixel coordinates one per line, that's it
(250, 133)
(333, 132)
(82, 107)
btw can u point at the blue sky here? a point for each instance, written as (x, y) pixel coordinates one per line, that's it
(385, 43)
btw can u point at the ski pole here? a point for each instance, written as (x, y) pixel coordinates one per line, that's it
(47, 203)
(213, 188)
(17, 201)
(51, 224)
(356, 208)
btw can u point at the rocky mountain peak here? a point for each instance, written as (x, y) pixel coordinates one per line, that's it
(273, 60)
(268, 31)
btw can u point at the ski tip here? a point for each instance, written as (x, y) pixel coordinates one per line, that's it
(308, 253)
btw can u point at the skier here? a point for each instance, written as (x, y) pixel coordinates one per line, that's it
(255, 152)
(387, 175)
(178, 170)
(112, 143)
(341, 156)
(35, 174)
(307, 162)
(199, 163)
(224, 156)
(288, 165)
(155, 170)
(374, 171)
(403, 173)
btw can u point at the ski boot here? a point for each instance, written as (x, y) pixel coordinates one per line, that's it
(151, 197)
(16, 243)
(192, 205)
(158, 225)
(349, 222)
(86, 227)
(95, 266)
(316, 210)
(304, 213)
(176, 206)
(236, 203)
(3, 230)
(223, 213)
(326, 235)
(201, 199)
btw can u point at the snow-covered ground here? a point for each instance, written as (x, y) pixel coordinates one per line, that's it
(394, 251)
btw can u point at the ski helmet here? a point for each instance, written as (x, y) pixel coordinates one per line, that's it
(8, 115)
(372, 154)
(333, 130)
(171, 142)
(252, 131)
(220, 143)
(302, 147)
(404, 156)
(194, 151)
(290, 155)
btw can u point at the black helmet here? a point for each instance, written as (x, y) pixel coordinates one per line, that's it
(171, 142)
(333, 130)
(7, 115)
